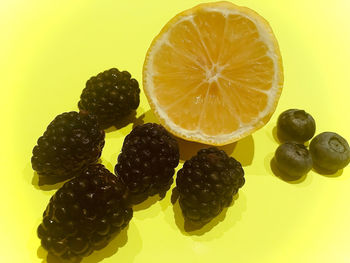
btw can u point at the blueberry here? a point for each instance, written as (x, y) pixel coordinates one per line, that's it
(295, 125)
(330, 152)
(293, 159)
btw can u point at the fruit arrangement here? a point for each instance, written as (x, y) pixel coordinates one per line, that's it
(212, 88)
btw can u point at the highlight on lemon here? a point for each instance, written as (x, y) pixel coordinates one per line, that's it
(214, 73)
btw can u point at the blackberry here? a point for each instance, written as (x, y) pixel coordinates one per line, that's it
(207, 183)
(111, 96)
(70, 143)
(147, 161)
(84, 214)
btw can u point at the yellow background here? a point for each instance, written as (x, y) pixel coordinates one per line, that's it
(48, 49)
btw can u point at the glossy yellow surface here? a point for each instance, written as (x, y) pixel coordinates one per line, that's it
(48, 49)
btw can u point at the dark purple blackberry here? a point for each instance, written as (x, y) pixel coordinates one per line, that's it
(70, 143)
(207, 183)
(84, 214)
(147, 161)
(111, 96)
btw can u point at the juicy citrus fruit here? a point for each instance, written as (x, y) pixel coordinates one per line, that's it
(214, 73)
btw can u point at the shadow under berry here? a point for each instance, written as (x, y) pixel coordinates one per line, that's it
(47, 183)
(189, 229)
(147, 203)
(146, 117)
(327, 173)
(242, 151)
(118, 241)
(285, 177)
(131, 118)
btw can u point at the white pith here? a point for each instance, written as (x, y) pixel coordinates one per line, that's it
(212, 74)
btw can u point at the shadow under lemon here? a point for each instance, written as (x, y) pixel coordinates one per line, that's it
(189, 149)
(146, 117)
(243, 150)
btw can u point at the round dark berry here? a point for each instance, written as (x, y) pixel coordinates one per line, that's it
(295, 125)
(207, 183)
(111, 96)
(293, 159)
(84, 214)
(330, 152)
(71, 142)
(147, 161)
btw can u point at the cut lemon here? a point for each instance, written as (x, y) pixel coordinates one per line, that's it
(214, 73)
